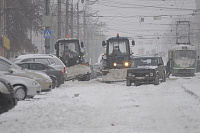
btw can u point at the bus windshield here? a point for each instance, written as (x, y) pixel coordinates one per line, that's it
(185, 54)
(118, 47)
(67, 46)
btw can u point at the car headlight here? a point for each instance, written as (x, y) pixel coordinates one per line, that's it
(126, 64)
(151, 74)
(129, 74)
(35, 83)
(114, 64)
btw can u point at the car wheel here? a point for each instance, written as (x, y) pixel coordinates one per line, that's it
(128, 82)
(54, 83)
(136, 84)
(20, 93)
(164, 78)
(156, 80)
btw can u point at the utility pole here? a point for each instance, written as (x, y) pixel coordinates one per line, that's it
(84, 27)
(78, 20)
(67, 18)
(47, 40)
(1, 9)
(59, 19)
(72, 20)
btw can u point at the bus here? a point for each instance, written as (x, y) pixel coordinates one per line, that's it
(182, 60)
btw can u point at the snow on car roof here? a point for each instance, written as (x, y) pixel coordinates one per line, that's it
(62, 39)
(35, 56)
(146, 56)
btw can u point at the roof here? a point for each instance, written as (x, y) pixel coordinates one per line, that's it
(70, 39)
(145, 57)
(117, 38)
(35, 56)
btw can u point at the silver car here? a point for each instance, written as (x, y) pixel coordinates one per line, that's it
(47, 59)
(43, 79)
(23, 87)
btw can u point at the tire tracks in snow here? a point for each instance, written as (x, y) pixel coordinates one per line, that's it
(190, 92)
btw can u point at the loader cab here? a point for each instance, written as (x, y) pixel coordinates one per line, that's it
(69, 51)
(117, 52)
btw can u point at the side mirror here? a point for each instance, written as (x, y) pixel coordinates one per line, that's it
(82, 45)
(133, 43)
(103, 43)
(55, 46)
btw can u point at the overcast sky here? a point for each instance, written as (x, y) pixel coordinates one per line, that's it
(124, 17)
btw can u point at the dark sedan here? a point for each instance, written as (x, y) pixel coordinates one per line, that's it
(56, 76)
(7, 96)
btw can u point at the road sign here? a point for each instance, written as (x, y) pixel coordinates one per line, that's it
(6, 42)
(47, 33)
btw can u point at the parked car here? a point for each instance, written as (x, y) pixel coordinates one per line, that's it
(56, 76)
(23, 87)
(146, 70)
(7, 96)
(13, 69)
(47, 59)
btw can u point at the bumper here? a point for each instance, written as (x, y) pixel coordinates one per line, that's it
(7, 101)
(141, 79)
(184, 72)
(45, 85)
(33, 90)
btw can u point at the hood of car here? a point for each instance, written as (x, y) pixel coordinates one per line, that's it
(36, 75)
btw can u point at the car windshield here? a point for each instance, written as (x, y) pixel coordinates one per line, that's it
(70, 47)
(118, 47)
(144, 62)
(185, 54)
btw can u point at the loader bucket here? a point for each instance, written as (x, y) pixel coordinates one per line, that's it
(114, 75)
(76, 71)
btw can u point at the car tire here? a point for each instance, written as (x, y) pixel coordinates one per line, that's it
(20, 92)
(128, 82)
(156, 80)
(164, 78)
(54, 83)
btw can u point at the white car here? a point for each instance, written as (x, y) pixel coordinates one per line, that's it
(23, 87)
(47, 59)
(43, 79)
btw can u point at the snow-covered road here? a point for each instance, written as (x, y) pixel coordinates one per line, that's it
(95, 107)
